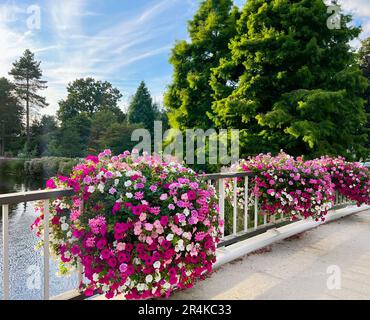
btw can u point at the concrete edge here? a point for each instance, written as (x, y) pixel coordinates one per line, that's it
(242, 248)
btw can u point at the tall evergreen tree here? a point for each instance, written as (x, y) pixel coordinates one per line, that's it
(364, 62)
(27, 78)
(11, 113)
(291, 82)
(189, 97)
(142, 109)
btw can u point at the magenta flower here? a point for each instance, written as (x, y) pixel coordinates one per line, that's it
(139, 195)
(123, 268)
(50, 184)
(164, 220)
(191, 195)
(153, 188)
(116, 207)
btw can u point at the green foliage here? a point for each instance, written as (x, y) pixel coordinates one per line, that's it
(42, 132)
(291, 83)
(142, 110)
(88, 96)
(11, 117)
(189, 97)
(117, 137)
(100, 123)
(90, 108)
(108, 133)
(364, 63)
(72, 138)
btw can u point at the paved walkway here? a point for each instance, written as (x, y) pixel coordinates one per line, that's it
(297, 268)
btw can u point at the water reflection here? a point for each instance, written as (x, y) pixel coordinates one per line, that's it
(26, 264)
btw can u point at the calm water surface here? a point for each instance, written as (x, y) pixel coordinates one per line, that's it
(26, 264)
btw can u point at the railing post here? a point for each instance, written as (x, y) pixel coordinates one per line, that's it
(79, 268)
(235, 205)
(5, 217)
(255, 212)
(221, 203)
(246, 202)
(46, 250)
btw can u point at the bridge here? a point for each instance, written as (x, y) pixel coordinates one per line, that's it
(283, 267)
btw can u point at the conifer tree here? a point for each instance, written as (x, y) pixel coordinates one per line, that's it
(291, 82)
(142, 109)
(28, 82)
(188, 99)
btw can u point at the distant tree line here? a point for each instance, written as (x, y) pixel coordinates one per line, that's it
(87, 121)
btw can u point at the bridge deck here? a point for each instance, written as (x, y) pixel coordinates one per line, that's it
(298, 268)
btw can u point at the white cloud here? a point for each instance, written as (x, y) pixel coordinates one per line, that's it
(13, 39)
(105, 50)
(80, 54)
(360, 8)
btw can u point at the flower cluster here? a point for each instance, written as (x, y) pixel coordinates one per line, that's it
(351, 179)
(300, 188)
(286, 185)
(138, 225)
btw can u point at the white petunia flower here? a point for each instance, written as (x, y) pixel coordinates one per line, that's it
(141, 287)
(101, 187)
(128, 183)
(167, 285)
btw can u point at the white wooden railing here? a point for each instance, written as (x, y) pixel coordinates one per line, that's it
(241, 224)
(15, 198)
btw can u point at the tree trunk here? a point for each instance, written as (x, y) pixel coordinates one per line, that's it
(28, 116)
(2, 149)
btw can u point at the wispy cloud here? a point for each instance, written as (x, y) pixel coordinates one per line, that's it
(107, 51)
(123, 42)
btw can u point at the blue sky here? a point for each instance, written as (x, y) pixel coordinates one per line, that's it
(121, 41)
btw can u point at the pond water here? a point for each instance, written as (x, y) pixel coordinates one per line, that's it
(26, 264)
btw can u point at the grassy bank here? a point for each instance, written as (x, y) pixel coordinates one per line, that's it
(49, 166)
(12, 166)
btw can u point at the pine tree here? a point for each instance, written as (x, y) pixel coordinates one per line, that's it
(11, 115)
(291, 82)
(189, 97)
(364, 62)
(142, 109)
(27, 78)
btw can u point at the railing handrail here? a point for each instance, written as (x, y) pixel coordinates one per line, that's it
(44, 194)
(225, 175)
